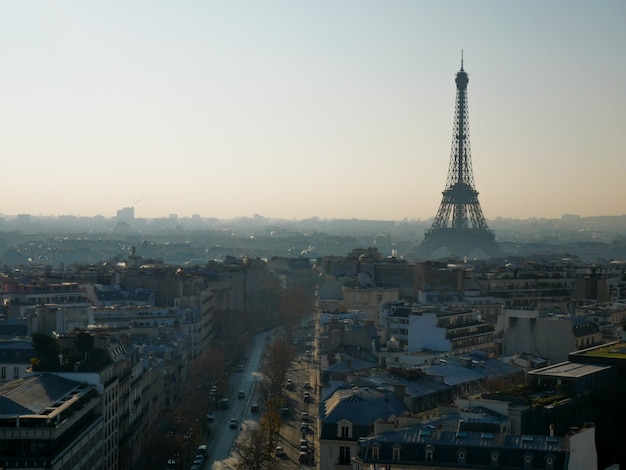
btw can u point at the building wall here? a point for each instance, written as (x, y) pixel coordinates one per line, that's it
(367, 299)
(550, 338)
(424, 334)
(330, 451)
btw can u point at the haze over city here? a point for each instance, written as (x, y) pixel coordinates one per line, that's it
(294, 110)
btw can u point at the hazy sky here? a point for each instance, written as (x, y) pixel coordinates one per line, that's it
(294, 109)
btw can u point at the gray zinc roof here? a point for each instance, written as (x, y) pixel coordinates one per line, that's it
(34, 394)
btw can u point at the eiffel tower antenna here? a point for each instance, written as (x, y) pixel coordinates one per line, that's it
(459, 226)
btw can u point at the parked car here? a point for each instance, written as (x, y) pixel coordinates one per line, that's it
(240, 368)
(278, 451)
(254, 407)
(233, 423)
(241, 395)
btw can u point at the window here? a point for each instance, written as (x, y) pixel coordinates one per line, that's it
(375, 453)
(429, 453)
(345, 431)
(3, 372)
(16, 372)
(396, 453)
(344, 455)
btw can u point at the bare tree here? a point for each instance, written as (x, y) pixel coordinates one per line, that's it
(251, 448)
(295, 303)
(278, 357)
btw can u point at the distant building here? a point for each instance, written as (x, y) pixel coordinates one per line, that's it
(535, 333)
(126, 215)
(23, 298)
(454, 331)
(15, 358)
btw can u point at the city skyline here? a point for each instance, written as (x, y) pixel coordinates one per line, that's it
(294, 110)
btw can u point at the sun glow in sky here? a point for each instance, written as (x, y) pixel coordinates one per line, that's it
(289, 109)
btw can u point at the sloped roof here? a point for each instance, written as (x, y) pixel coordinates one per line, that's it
(34, 394)
(349, 364)
(361, 406)
(454, 373)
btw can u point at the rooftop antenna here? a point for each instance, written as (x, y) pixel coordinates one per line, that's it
(461, 59)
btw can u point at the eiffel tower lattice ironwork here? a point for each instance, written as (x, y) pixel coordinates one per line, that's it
(460, 227)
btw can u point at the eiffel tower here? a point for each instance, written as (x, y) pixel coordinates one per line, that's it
(459, 228)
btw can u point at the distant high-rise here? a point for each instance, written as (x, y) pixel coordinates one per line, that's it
(127, 214)
(459, 228)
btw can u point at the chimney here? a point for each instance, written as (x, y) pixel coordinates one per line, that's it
(399, 390)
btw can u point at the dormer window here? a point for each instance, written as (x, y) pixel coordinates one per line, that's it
(396, 454)
(430, 450)
(375, 452)
(344, 429)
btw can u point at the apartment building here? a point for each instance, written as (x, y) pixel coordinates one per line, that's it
(454, 331)
(48, 421)
(430, 446)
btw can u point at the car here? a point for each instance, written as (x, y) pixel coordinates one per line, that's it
(240, 368)
(233, 423)
(199, 460)
(304, 443)
(278, 451)
(241, 395)
(254, 407)
(306, 397)
(224, 402)
(303, 457)
(203, 450)
(307, 386)
(304, 449)
(284, 411)
(305, 416)
(196, 466)
(304, 425)
(289, 383)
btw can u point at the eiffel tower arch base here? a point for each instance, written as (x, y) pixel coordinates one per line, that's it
(460, 243)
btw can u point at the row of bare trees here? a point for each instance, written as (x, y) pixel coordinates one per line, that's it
(256, 443)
